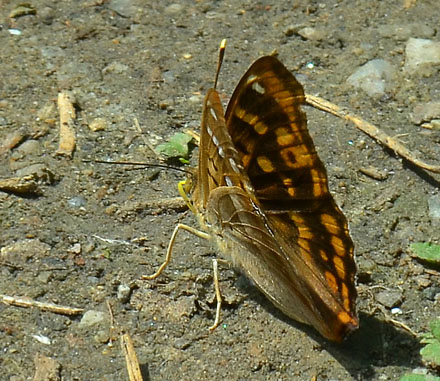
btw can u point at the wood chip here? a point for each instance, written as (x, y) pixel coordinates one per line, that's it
(26, 185)
(67, 126)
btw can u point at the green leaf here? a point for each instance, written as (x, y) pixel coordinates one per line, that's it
(431, 353)
(427, 252)
(106, 253)
(176, 147)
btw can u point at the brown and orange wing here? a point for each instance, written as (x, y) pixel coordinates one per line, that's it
(269, 131)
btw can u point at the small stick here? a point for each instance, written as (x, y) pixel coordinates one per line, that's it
(67, 131)
(27, 302)
(133, 368)
(371, 131)
(112, 322)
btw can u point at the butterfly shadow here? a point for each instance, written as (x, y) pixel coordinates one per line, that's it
(376, 344)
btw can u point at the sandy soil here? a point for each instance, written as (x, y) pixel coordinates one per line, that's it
(91, 232)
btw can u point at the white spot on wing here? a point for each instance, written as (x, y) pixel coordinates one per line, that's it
(214, 115)
(234, 165)
(220, 151)
(258, 88)
(251, 79)
(215, 140)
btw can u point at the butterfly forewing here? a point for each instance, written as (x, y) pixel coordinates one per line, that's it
(262, 190)
(219, 161)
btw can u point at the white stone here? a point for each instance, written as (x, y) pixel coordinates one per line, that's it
(91, 318)
(375, 77)
(434, 207)
(421, 55)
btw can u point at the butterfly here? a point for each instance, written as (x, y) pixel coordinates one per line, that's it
(261, 193)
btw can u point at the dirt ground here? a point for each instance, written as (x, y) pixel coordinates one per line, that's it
(94, 229)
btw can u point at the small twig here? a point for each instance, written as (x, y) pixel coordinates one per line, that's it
(112, 241)
(371, 131)
(394, 322)
(400, 325)
(133, 368)
(112, 322)
(51, 307)
(67, 127)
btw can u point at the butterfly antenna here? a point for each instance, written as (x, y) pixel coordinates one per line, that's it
(221, 54)
(137, 164)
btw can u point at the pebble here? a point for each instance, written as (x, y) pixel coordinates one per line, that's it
(40, 172)
(124, 293)
(98, 124)
(423, 281)
(77, 202)
(434, 207)
(425, 112)
(91, 318)
(116, 68)
(46, 14)
(375, 77)
(75, 249)
(421, 56)
(389, 298)
(291, 30)
(432, 293)
(21, 251)
(29, 147)
(310, 33)
(168, 76)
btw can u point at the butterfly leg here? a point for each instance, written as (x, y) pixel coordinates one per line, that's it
(196, 232)
(218, 295)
